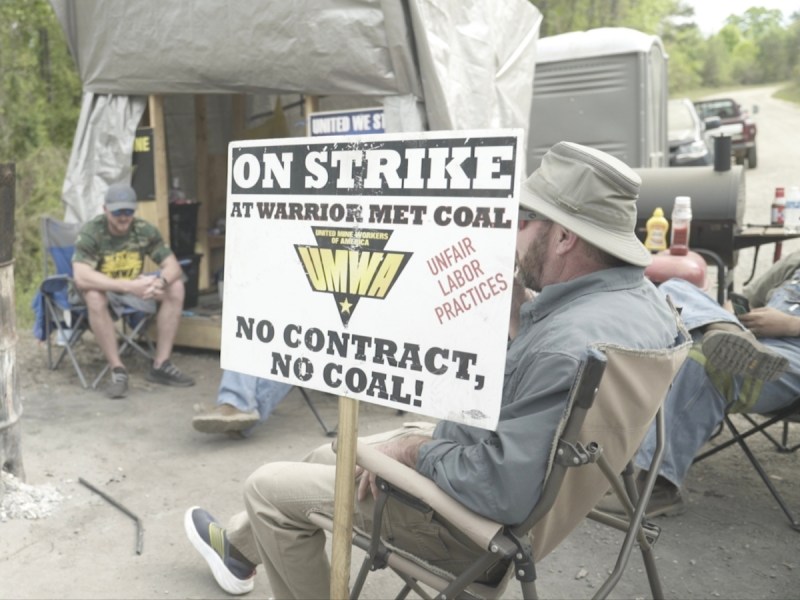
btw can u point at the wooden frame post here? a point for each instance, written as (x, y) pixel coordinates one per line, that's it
(310, 105)
(157, 212)
(202, 187)
(160, 168)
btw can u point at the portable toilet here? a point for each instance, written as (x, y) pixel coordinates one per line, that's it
(605, 88)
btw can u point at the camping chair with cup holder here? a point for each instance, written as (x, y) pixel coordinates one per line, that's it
(61, 315)
(613, 401)
(760, 424)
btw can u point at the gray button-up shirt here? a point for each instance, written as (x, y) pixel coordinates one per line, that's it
(500, 474)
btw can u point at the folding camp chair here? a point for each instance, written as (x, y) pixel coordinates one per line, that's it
(329, 431)
(760, 424)
(790, 414)
(613, 401)
(58, 317)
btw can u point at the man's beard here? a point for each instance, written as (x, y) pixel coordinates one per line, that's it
(532, 262)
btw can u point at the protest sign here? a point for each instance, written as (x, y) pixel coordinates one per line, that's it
(357, 121)
(376, 268)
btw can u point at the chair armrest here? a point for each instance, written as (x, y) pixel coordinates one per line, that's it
(479, 529)
(54, 284)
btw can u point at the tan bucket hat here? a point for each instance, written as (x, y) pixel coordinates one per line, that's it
(592, 194)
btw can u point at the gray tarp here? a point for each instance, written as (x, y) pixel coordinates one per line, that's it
(433, 64)
(102, 150)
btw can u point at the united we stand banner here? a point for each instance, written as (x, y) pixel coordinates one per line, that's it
(376, 267)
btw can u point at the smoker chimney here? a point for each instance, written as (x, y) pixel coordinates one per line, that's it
(722, 153)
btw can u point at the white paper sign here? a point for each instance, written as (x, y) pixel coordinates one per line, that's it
(375, 268)
(358, 121)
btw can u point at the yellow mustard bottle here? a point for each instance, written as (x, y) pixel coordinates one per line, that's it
(657, 228)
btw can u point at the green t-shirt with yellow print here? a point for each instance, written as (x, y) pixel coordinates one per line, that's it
(119, 257)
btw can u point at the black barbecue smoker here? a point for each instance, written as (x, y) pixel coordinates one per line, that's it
(718, 197)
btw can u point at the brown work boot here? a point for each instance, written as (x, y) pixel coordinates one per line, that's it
(665, 501)
(736, 352)
(224, 418)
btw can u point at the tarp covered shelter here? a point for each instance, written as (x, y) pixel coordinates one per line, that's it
(430, 64)
(434, 64)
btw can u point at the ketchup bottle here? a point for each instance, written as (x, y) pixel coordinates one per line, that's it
(681, 225)
(778, 206)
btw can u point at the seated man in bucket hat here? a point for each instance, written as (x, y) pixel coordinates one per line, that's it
(744, 364)
(577, 248)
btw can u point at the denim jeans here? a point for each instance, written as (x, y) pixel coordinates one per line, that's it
(694, 407)
(248, 393)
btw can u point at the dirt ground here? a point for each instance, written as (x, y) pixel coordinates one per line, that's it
(142, 451)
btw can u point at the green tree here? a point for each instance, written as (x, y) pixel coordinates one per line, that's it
(39, 106)
(753, 47)
(686, 49)
(793, 48)
(716, 68)
(763, 29)
(744, 61)
(756, 22)
(562, 16)
(773, 56)
(40, 92)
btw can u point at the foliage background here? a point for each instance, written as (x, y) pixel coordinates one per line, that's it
(757, 47)
(39, 107)
(41, 93)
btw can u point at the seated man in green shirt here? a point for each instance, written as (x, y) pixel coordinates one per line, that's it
(108, 270)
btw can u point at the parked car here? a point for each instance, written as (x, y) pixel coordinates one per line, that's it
(735, 122)
(688, 135)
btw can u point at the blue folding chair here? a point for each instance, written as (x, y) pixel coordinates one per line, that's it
(59, 316)
(56, 317)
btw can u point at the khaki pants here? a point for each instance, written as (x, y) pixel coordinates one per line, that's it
(275, 531)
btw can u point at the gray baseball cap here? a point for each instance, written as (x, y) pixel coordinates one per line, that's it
(120, 195)
(592, 194)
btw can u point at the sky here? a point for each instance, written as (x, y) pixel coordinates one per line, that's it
(710, 15)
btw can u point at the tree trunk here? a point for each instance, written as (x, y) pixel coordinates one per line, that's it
(10, 407)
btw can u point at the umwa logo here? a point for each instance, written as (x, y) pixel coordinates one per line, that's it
(351, 264)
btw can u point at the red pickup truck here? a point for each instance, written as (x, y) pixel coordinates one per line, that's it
(735, 122)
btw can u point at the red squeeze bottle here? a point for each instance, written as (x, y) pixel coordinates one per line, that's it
(778, 205)
(681, 225)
